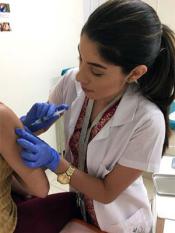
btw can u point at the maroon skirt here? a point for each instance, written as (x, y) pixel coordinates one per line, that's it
(46, 215)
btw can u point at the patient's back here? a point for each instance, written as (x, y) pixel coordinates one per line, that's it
(8, 212)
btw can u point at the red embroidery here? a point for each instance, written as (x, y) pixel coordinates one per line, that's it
(74, 144)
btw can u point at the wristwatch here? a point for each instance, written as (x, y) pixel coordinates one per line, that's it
(64, 178)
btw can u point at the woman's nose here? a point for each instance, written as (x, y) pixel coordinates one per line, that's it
(82, 77)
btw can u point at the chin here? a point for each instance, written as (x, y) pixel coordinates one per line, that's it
(91, 96)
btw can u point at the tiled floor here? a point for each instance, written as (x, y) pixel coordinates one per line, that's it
(55, 187)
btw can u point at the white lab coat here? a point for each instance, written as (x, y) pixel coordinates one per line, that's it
(133, 137)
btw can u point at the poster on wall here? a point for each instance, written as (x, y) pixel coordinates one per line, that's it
(5, 17)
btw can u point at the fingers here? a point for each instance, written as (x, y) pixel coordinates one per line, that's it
(47, 110)
(30, 164)
(26, 145)
(50, 121)
(27, 129)
(22, 133)
(62, 106)
(23, 118)
(44, 124)
(42, 110)
(27, 156)
(52, 109)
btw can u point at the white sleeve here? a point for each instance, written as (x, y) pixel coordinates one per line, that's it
(65, 89)
(55, 95)
(144, 149)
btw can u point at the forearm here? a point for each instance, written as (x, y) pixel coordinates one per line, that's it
(91, 186)
(102, 190)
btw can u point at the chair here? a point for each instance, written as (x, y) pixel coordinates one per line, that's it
(172, 115)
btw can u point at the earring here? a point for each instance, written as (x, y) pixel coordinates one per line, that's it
(130, 81)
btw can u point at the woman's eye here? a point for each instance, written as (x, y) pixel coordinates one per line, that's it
(96, 73)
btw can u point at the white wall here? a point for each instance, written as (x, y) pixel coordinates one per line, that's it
(165, 10)
(44, 39)
(90, 6)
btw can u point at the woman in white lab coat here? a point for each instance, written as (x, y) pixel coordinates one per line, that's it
(117, 124)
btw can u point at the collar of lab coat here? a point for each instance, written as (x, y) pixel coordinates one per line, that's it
(127, 107)
(124, 114)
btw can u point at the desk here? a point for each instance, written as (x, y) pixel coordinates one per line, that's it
(165, 165)
(165, 205)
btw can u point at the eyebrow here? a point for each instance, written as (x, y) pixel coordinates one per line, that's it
(97, 65)
(93, 63)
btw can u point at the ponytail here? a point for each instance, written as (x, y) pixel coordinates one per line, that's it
(158, 84)
(117, 27)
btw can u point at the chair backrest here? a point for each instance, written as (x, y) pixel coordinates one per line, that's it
(172, 115)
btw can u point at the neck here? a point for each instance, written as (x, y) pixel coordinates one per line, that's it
(106, 101)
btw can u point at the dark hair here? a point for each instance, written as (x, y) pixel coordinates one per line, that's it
(129, 33)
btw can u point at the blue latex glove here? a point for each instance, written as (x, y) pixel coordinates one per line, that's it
(35, 152)
(42, 116)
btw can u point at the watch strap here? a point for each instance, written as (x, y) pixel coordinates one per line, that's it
(70, 170)
(65, 177)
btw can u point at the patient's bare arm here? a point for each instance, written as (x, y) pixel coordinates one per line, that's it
(19, 187)
(34, 180)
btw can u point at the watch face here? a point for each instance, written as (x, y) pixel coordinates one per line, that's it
(63, 178)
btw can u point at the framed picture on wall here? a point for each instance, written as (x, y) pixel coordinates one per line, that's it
(5, 17)
(4, 8)
(5, 27)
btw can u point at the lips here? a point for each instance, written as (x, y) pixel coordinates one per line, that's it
(86, 90)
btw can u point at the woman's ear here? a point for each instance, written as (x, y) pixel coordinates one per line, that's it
(137, 73)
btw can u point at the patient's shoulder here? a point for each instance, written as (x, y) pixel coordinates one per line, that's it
(8, 122)
(8, 118)
(4, 114)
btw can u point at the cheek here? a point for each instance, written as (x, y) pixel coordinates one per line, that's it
(103, 89)
(114, 86)
(120, 82)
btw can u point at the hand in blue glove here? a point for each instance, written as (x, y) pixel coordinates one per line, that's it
(42, 116)
(35, 152)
